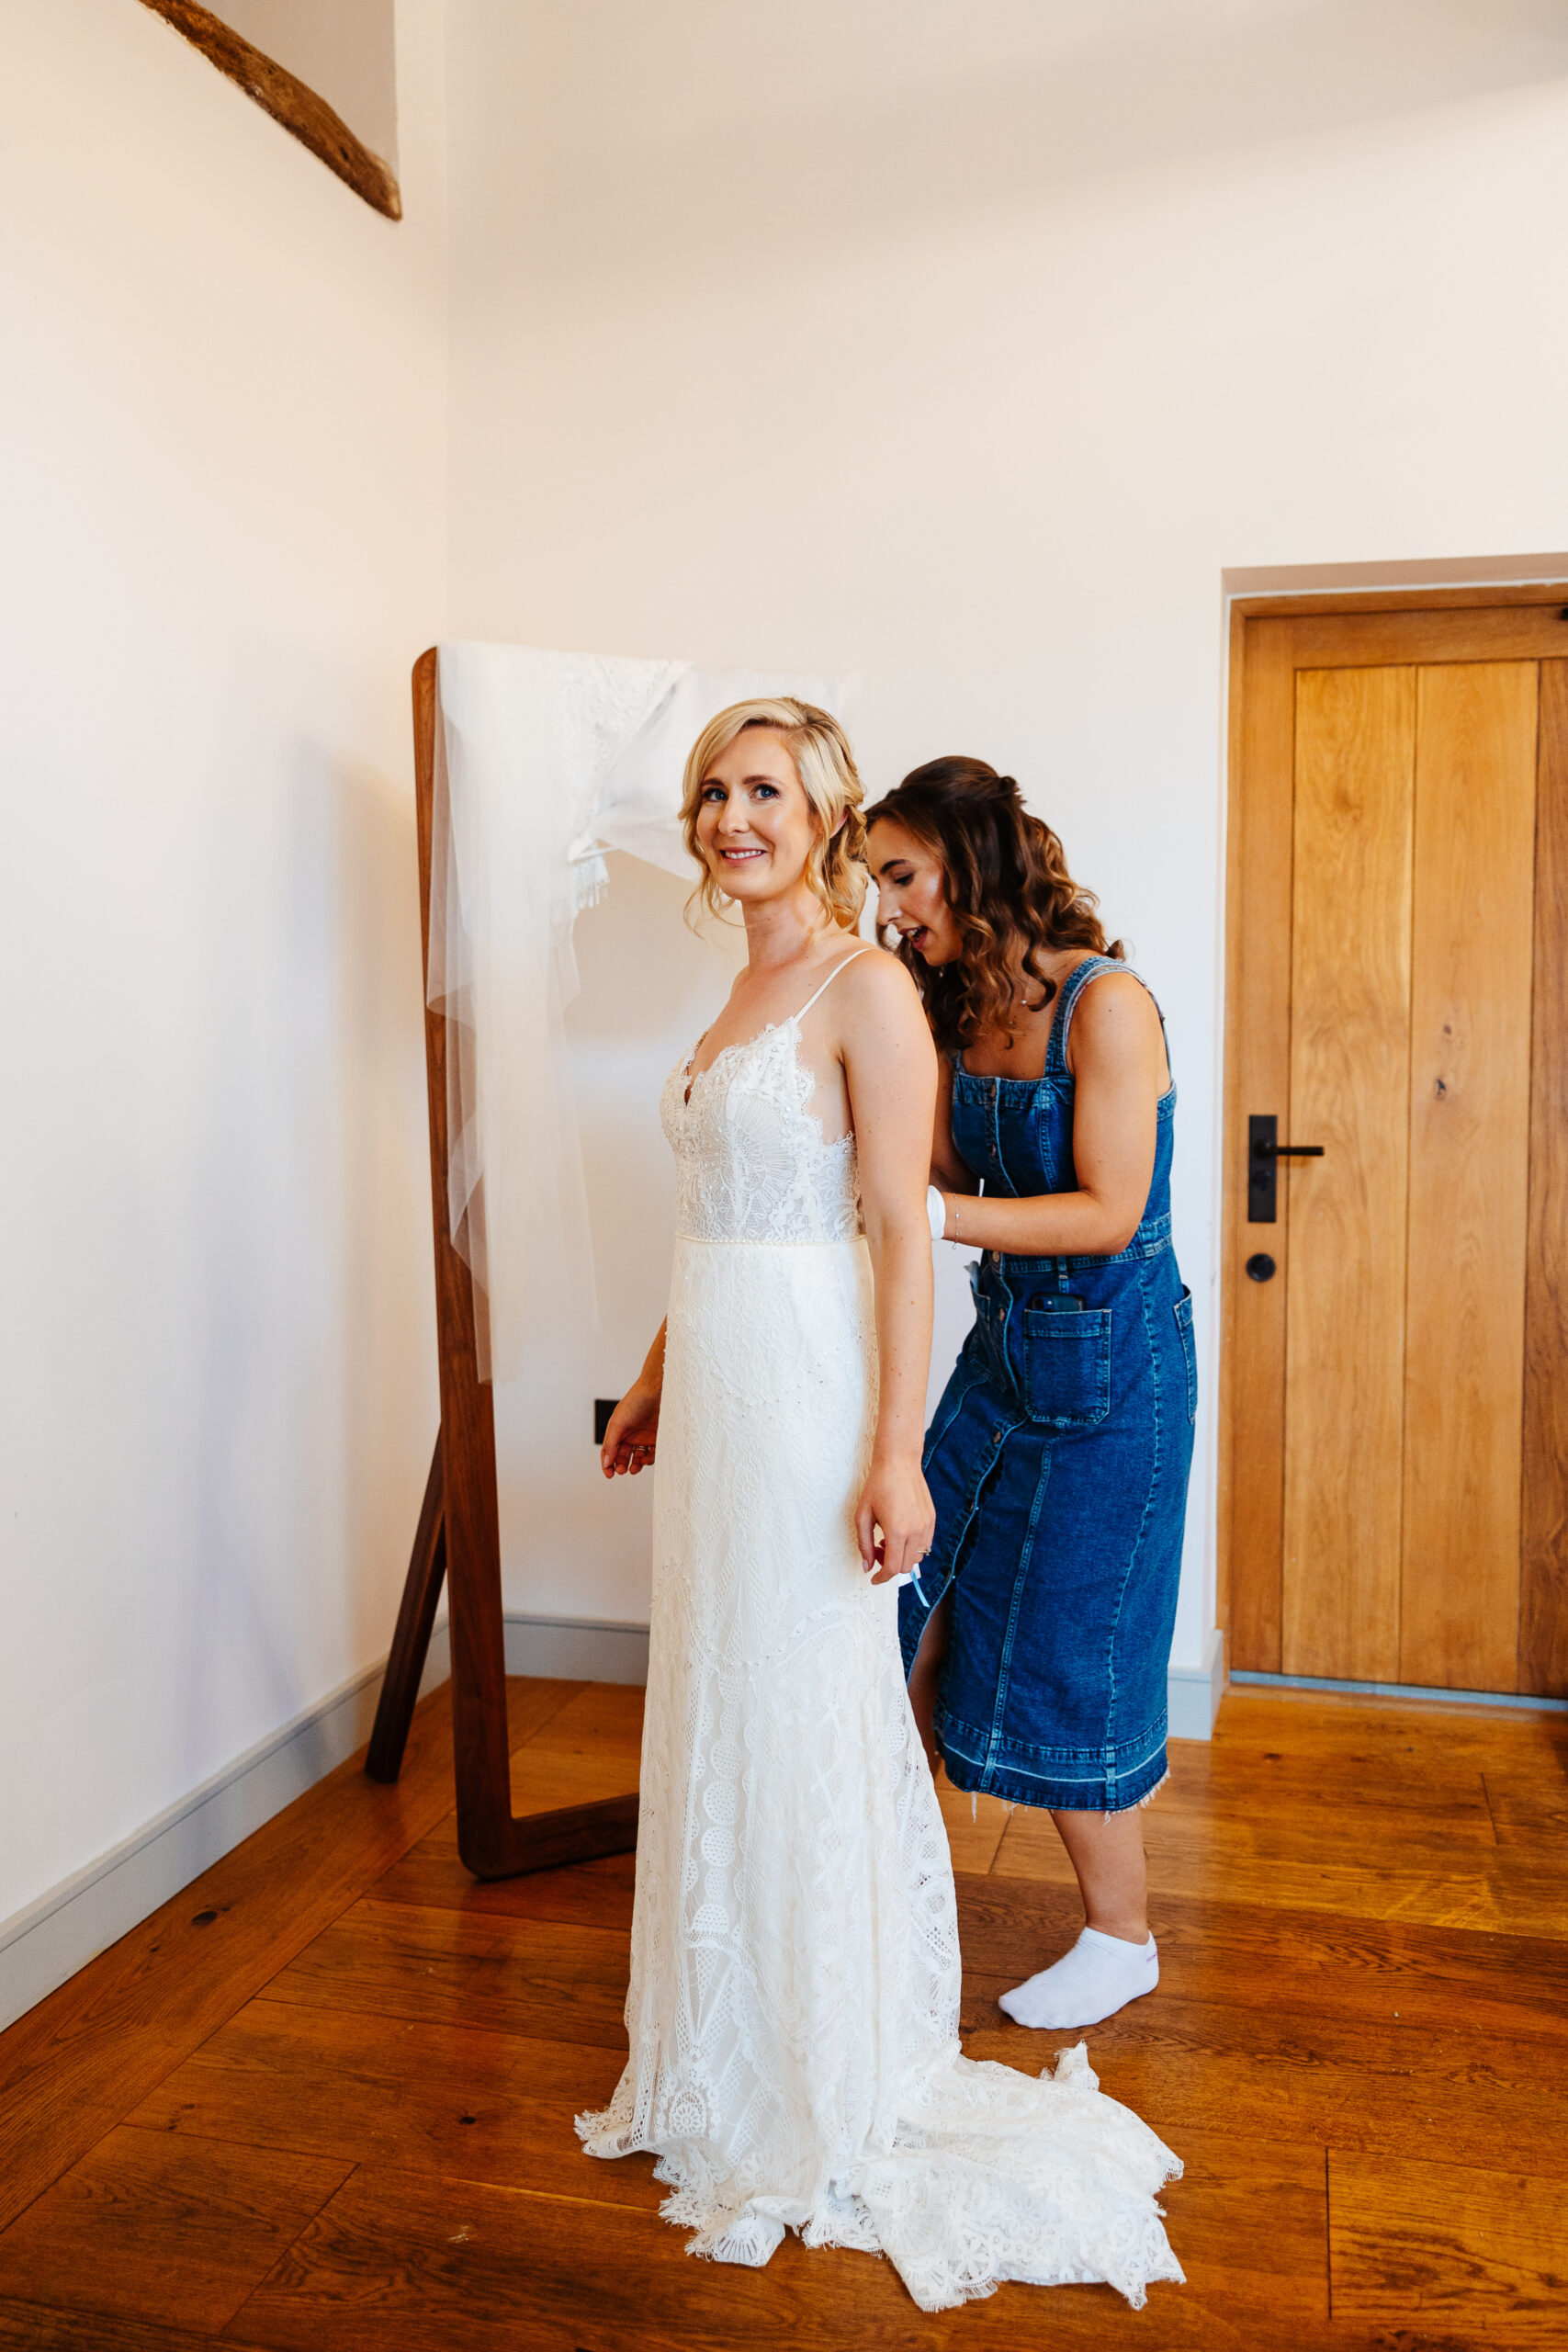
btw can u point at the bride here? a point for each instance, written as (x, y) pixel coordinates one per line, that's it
(793, 2012)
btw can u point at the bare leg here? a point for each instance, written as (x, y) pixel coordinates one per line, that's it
(1114, 1959)
(927, 1675)
(1105, 1849)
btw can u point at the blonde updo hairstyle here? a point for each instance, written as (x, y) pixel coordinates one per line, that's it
(830, 779)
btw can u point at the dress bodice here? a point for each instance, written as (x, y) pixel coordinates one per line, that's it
(751, 1164)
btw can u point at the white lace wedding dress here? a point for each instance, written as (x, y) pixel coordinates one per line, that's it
(792, 2011)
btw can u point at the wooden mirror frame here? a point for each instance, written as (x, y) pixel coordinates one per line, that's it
(459, 1527)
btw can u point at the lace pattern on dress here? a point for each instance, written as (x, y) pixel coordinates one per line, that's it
(793, 2010)
(751, 1164)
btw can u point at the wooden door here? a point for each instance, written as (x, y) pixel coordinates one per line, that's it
(1395, 1418)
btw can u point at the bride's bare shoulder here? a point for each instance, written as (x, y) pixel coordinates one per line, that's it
(874, 977)
(867, 965)
(878, 999)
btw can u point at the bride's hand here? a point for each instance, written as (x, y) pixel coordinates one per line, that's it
(898, 1502)
(630, 1440)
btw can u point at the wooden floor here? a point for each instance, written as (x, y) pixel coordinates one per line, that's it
(324, 2099)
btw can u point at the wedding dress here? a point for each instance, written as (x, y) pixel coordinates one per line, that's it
(793, 2012)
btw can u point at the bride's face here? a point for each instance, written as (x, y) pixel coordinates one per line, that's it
(755, 826)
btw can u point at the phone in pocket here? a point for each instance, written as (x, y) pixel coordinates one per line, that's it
(1065, 1361)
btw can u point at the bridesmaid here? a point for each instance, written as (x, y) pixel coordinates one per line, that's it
(1037, 1637)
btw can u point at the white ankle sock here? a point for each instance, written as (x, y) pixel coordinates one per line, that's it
(1100, 1975)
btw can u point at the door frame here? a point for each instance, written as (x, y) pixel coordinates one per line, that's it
(1524, 622)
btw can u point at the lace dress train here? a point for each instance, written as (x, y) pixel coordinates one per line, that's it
(793, 2012)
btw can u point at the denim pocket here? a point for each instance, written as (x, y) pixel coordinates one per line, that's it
(1067, 1366)
(1182, 1311)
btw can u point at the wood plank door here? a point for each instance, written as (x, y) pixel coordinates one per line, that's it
(1395, 1472)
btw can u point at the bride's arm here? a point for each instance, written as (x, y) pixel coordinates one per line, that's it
(631, 1437)
(890, 1069)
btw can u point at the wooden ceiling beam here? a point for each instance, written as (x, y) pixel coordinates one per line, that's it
(288, 101)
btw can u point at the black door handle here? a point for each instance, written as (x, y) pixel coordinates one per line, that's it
(1263, 1153)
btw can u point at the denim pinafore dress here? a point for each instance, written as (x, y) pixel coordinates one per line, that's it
(1057, 1460)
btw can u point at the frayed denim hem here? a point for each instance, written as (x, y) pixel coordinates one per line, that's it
(1123, 1794)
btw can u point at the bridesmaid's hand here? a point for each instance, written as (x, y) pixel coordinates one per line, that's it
(629, 1442)
(897, 1501)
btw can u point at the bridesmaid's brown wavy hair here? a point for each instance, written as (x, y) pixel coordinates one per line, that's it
(1007, 882)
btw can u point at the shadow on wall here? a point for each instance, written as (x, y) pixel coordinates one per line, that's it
(572, 1545)
(313, 1088)
(390, 1423)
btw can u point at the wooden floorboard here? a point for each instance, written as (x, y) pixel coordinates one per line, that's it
(542, 1978)
(177, 2231)
(1266, 1860)
(1323, 2082)
(340, 2113)
(599, 1719)
(1302, 1964)
(592, 1894)
(400, 2262)
(1528, 1808)
(36, 2327)
(463, 2102)
(1427, 2244)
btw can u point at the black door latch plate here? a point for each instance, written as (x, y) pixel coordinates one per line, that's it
(1264, 1152)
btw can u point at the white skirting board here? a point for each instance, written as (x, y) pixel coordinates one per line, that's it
(1193, 1692)
(586, 1649)
(46, 1943)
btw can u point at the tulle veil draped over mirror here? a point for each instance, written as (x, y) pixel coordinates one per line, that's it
(543, 761)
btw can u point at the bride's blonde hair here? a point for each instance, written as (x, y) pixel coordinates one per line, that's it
(830, 779)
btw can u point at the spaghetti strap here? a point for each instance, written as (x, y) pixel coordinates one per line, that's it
(830, 979)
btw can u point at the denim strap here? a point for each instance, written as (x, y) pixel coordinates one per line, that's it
(1072, 988)
(1078, 979)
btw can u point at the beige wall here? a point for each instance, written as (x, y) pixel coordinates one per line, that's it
(221, 432)
(967, 348)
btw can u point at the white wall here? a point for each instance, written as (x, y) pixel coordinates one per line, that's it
(966, 347)
(221, 432)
